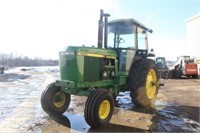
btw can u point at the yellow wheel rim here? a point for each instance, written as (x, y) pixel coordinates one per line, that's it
(59, 99)
(150, 88)
(104, 109)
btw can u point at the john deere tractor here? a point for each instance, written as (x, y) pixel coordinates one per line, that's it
(119, 63)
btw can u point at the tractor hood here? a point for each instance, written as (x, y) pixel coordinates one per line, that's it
(84, 64)
(90, 51)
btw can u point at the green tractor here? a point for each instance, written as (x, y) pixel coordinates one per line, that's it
(163, 70)
(119, 63)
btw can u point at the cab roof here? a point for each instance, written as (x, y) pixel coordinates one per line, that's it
(127, 22)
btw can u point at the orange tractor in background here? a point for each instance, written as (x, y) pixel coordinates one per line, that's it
(185, 66)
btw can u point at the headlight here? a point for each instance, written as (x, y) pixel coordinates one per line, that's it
(66, 53)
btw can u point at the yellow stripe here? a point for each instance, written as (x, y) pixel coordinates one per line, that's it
(95, 55)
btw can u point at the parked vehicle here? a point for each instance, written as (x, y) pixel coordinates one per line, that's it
(163, 70)
(101, 73)
(185, 66)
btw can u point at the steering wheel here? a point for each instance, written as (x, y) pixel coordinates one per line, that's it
(120, 40)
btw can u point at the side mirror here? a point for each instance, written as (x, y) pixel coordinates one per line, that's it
(152, 50)
(151, 53)
(150, 30)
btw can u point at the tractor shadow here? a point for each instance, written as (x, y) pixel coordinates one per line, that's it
(176, 118)
(117, 128)
(77, 123)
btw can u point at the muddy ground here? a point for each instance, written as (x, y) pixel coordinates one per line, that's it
(176, 109)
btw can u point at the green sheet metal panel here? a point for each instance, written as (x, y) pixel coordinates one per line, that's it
(71, 67)
(91, 68)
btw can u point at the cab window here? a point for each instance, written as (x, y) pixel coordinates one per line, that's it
(121, 36)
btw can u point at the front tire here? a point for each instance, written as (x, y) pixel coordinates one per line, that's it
(53, 101)
(177, 74)
(141, 83)
(195, 76)
(99, 108)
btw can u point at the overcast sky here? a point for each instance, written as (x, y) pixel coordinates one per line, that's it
(44, 27)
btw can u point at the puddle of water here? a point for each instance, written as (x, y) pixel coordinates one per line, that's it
(168, 116)
(176, 118)
(66, 123)
(76, 123)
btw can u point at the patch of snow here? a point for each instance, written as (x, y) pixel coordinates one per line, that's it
(45, 69)
(34, 69)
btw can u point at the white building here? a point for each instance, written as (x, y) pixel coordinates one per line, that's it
(193, 36)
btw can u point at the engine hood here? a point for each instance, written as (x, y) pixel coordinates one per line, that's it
(90, 51)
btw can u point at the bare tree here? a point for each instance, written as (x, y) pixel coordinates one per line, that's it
(14, 60)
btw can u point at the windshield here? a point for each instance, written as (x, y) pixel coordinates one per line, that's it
(189, 60)
(160, 63)
(121, 36)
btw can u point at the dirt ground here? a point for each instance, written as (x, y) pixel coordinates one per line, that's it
(177, 108)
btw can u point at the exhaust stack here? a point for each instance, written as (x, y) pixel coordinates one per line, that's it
(100, 29)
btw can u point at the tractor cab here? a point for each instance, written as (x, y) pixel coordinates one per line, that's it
(129, 38)
(161, 63)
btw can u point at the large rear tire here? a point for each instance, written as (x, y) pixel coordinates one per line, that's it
(141, 83)
(177, 74)
(99, 108)
(53, 101)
